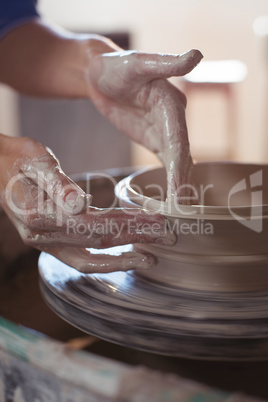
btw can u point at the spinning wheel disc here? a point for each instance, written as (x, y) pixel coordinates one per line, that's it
(127, 309)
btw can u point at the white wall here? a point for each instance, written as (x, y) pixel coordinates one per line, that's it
(9, 124)
(220, 29)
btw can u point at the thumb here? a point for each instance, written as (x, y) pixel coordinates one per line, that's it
(167, 65)
(46, 173)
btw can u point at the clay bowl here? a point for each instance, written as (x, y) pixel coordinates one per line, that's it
(222, 242)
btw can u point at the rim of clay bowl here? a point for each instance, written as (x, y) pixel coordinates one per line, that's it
(126, 193)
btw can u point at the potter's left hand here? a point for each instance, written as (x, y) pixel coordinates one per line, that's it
(52, 213)
(131, 89)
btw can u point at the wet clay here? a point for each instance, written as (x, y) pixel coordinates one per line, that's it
(222, 242)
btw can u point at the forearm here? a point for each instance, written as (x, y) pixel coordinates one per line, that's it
(39, 60)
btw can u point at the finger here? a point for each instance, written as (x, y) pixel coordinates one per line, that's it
(180, 181)
(169, 115)
(167, 65)
(47, 174)
(129, 225)
(92, 261)
(102, 229)
(179, 169)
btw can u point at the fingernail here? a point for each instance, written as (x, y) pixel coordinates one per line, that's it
(144, 261)
(167, 238)
(194, 54)
(197, 54)
(166, 241)
(75, 204)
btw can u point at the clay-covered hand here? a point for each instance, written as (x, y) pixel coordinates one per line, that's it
(132, 90)
(53, 214)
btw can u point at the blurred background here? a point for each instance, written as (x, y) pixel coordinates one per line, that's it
(227, 112)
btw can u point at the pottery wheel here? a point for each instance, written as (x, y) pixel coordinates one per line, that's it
(127, 309)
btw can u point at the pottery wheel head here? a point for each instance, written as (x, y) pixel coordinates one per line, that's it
(123, 308)
(222, 242)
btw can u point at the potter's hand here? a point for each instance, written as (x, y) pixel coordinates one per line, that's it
(52, 214)
(130, 88)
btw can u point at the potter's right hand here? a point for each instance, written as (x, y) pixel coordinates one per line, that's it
(131, 89)
(49, 210)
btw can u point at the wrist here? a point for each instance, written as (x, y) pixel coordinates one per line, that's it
(8, 146)
(93, 48)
